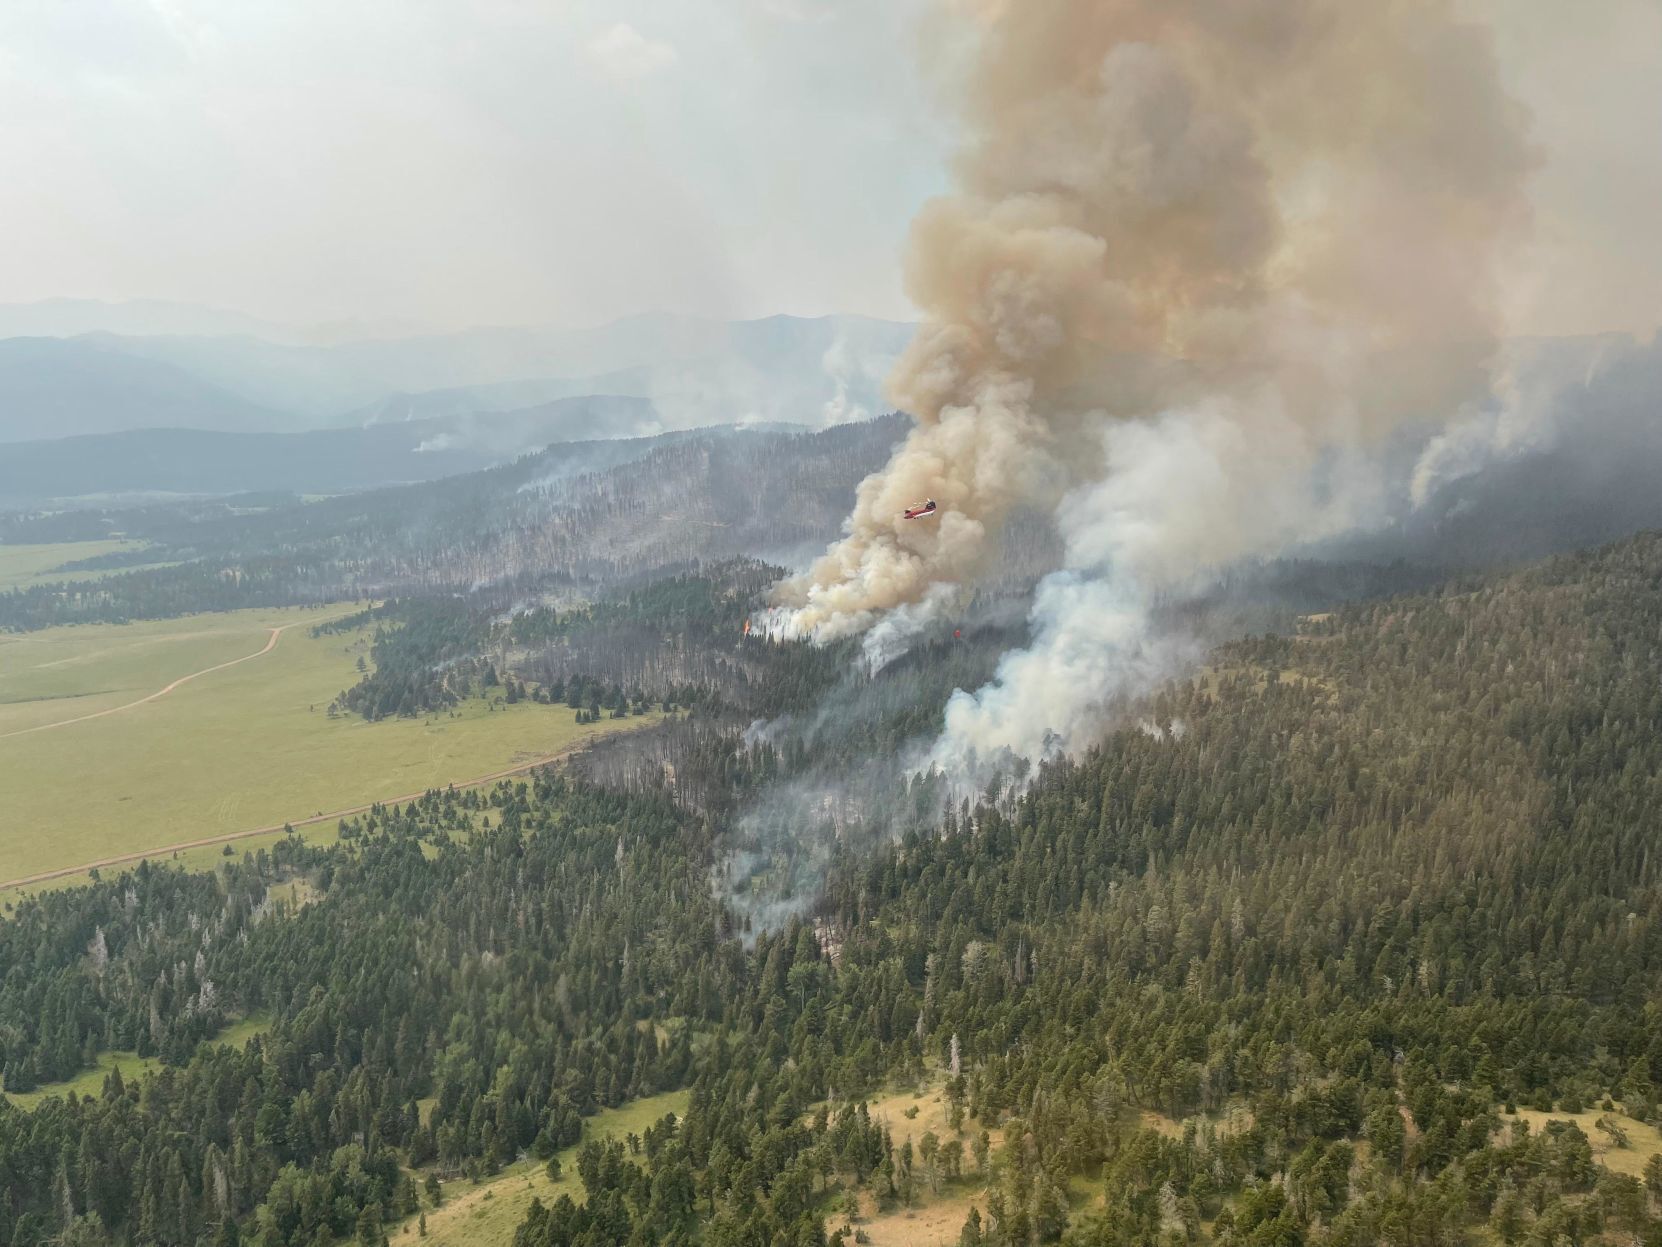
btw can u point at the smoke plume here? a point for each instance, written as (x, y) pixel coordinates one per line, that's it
(1205, 255)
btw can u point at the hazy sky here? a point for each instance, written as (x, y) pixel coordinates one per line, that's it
(565, 161)
(1591, 72)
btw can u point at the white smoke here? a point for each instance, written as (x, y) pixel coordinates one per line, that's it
(1205, 258)
(854, 373)
(1188, 493)
(1533, 389)
(892, 635)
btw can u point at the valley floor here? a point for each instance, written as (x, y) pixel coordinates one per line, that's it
(243, 745)
(22, 566)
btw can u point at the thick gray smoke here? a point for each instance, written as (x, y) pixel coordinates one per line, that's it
(1205, 257)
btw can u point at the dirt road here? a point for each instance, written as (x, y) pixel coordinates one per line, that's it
(271, 644)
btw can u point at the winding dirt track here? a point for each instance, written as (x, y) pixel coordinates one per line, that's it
(271, 644)
(227, 837)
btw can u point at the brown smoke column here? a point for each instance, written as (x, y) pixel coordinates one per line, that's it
(1288, 212)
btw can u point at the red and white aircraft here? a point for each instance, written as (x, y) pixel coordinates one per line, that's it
(918, 513)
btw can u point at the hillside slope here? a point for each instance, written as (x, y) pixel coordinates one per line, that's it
(578, 511)
(1265, 967)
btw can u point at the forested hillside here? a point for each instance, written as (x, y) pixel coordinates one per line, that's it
(586, 512)
(1287, 959)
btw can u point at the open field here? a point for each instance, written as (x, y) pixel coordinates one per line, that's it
(934, 1220)
(487, 1215)
(933, 1223)
(64, 673)
(931, 1117)
(24, 565)
(247, 746)
(131, 1065)
(1643, 1141)
(41, 706)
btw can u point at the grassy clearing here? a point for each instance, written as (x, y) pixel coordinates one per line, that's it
(932, 1221)
(936, 1223)
(1233, 1120)
(487, 1215)
(131, 1065)
(22, 566)
(931, 1117)
(244, 747)
(296, 894)
(64, 673)
(1643, 1141)
(25, 565)
(90, 1081)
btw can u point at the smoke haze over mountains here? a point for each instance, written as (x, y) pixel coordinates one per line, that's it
(688, 372)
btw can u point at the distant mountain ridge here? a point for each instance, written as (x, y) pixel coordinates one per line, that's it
(214, 370)
(696, 371)
(201, 462)
(65, 387)
(72, 318)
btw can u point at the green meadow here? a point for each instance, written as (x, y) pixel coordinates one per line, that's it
(131, 1065)
(243, 747)
(486, 1214)
(24, 565)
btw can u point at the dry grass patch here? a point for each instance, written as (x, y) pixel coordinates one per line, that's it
(294, 895)
(931, 1220)
(931, 1116)
(1643, 1141)
(935, 1224)
(1233, 1120)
